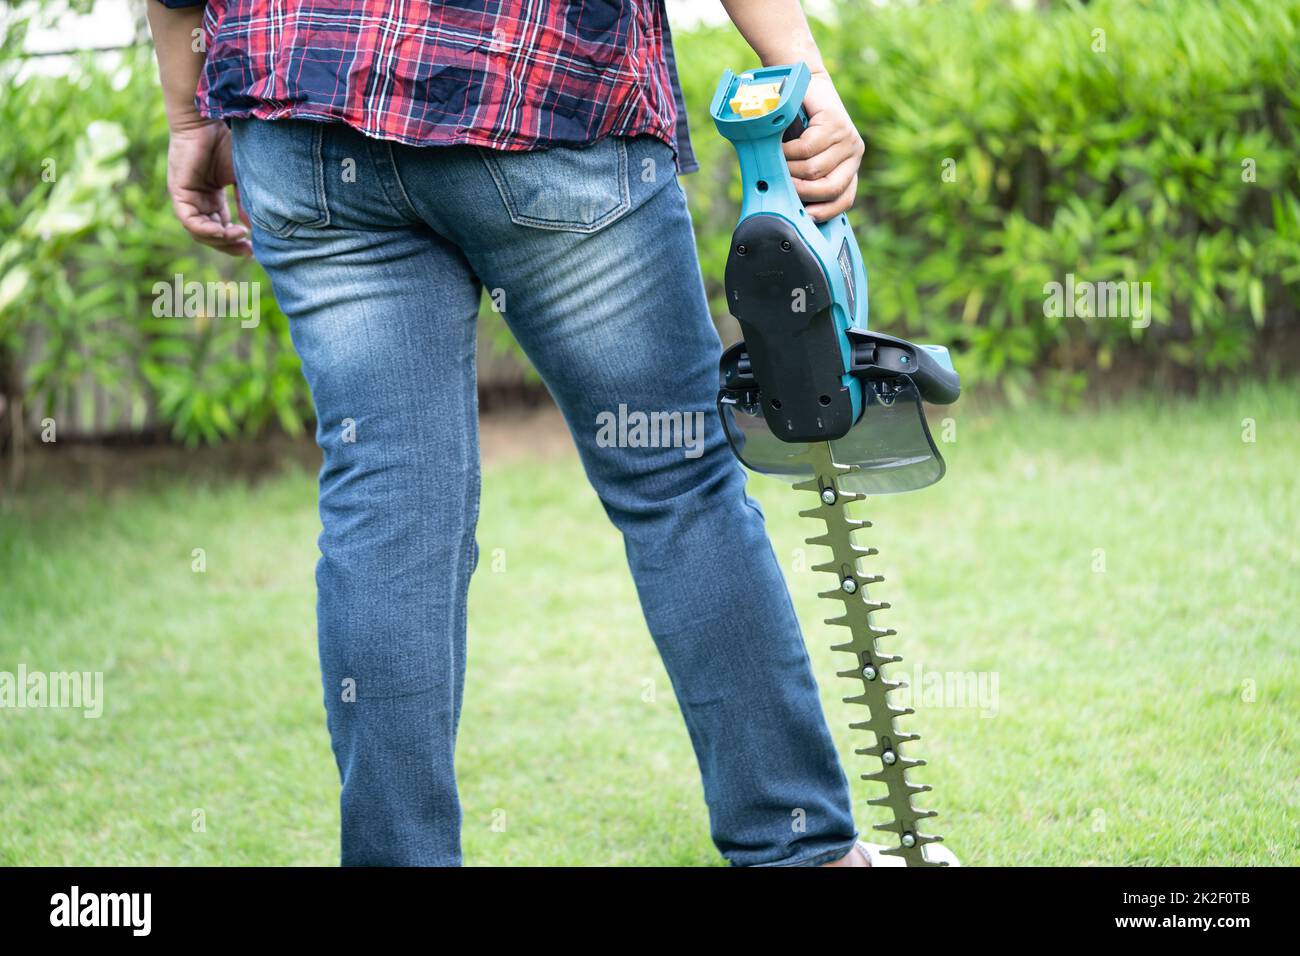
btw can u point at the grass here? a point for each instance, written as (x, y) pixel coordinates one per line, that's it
(1145, 713)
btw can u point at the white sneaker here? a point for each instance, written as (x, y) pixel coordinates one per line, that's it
(934, 853)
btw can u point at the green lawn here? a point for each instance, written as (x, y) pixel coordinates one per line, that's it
(1146, 713)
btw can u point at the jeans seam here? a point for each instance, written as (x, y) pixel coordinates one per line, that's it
(401, 187)
(318, 163)
(469, 513)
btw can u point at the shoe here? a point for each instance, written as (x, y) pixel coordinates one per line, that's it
(934, 853)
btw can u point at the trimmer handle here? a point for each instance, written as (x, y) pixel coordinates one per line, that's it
(758, 110)
(796, 127)
(877, 356)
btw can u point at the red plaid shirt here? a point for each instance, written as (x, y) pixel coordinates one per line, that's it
(506, 74)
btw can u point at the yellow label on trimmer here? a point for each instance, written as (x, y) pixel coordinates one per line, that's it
(756, 99)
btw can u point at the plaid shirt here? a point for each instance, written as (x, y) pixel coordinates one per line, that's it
(505, 74)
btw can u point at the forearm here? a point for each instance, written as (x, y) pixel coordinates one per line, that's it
(776, 30)
(179, 65)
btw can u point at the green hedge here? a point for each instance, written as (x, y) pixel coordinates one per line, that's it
(1122, 164)
(1117, 165)
(86, 231)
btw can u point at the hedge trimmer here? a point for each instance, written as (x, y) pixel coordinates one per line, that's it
(813, 396)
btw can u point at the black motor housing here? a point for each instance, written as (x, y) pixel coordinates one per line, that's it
(789, 334)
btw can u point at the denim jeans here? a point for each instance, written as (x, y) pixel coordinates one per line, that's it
(378, 253)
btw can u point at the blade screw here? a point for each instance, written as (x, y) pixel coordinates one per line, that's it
(889, 757)
(828, 496)
(869, 672)
(849, 586)
(909, 840)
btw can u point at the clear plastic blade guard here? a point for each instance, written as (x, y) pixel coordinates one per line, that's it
(890, 444)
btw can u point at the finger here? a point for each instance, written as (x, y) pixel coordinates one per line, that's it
(820, 165)
(230, 242)
(207, 226)
(829, 186)
(242, 249)
(815, 138)
(209, 201)
(820, 212)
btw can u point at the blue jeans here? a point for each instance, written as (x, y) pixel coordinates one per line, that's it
(378, 253)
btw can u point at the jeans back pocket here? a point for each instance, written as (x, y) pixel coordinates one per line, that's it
(280, 174)
(574, 189)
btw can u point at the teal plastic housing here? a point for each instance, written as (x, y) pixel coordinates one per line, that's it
(769, 189)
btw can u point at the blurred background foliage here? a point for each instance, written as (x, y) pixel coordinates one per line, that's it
(1161, 149)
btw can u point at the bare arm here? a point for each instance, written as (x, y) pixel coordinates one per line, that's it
(824, 160)
(199, 163)
(179, 65)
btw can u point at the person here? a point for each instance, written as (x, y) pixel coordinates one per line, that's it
(392, 161)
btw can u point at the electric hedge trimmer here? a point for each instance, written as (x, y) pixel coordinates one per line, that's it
(813, 396)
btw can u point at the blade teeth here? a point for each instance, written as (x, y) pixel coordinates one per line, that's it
(832, 567)
(902, 762)
(837, 542)
(887, 730)
(845, 596)
(898, 739)
(925, 838)
(888, 685)
(845, 552)
(911, 789)
(915, 859)
(843, 521)
(852, 646)
(899, 826)
(858, 550)
(809, 484)
(892, 711)
(845, 621)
